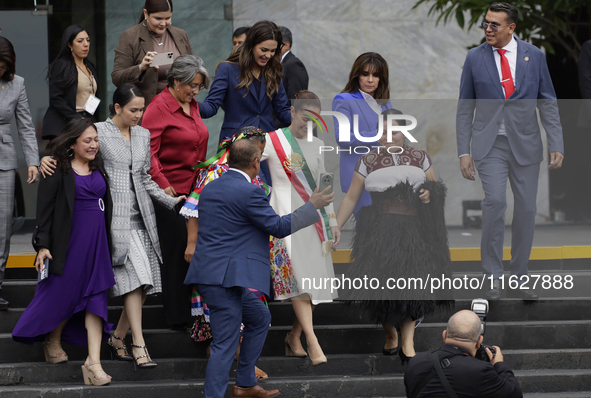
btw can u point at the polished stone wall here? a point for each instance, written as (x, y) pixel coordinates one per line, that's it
(425, 63)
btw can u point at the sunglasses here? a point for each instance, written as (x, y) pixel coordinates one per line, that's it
(493, 27)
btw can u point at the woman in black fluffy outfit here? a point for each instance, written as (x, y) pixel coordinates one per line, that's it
(401, 235)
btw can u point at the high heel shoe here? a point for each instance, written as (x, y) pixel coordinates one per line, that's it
(260, 375)
(403, 357)
(144, 365)
(115, 350)
(390, 351)
(90, 376)
(54, 355)
(319, 361)
(289, 352)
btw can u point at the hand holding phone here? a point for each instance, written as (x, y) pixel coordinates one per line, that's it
(162, 59)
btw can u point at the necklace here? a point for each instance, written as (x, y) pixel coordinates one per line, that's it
(79, 173)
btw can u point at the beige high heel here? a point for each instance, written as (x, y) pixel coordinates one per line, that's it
(289, 352)
(90, 377)
(54, 355)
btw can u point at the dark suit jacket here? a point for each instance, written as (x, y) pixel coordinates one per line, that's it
(295, 76)
(468, 376)
(482, 106)
(133, 45)
(235, 221)
(55, 209)
(62, 101)
(242, 108)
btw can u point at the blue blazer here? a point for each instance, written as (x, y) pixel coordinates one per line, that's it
(351, 104)
(242, 109)
(478, 121)
(235, 222)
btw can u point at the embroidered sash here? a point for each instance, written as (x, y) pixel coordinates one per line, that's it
(298, 172)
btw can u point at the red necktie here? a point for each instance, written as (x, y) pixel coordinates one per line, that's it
(507, 81)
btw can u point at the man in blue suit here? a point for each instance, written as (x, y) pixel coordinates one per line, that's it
(503, 81)
(232, 255)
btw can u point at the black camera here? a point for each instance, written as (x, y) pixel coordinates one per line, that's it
(480, 308)
(481, 353)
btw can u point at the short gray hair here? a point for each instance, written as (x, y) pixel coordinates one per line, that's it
(185, 68)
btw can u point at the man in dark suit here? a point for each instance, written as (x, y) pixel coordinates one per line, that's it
(466, 375)
(232, 255)
(503, 81)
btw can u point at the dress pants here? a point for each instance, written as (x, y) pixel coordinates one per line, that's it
(176, 296)
(7, 180)
(228, 307)
(493, 170)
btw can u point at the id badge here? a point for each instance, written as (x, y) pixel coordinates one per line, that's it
(91, 105)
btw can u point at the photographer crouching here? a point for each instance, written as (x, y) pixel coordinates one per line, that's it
(454, 370)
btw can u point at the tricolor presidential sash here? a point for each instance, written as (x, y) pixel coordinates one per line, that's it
(298, 172)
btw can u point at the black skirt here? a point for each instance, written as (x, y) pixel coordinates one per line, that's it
(401, 252)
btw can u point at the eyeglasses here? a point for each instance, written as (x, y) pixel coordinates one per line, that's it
(493, 26)
(196, 87)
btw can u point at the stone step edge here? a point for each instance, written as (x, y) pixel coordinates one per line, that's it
(330, 356)
(441, 325)
(286, 379)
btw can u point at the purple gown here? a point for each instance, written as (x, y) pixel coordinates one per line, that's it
(87, 274)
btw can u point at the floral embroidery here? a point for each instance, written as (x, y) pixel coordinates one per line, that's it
(281, 272)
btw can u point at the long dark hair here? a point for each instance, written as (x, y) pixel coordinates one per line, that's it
(62, 71)
(59, 146)
(123, 94)
(273, 71)
(376, 64)
(152, 6)
(8, 56)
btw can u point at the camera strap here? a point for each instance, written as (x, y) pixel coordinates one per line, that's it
(437, 370)
(438, 366)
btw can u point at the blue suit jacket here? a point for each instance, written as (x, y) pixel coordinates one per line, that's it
(235, 222)
(351, 104)
(482, 105)
(242, 109)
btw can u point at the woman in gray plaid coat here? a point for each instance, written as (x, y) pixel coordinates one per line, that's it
(136, 255)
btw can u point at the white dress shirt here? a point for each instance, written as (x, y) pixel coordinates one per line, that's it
(243, 173)
(371, 101)
(511, 55)
(283, 56)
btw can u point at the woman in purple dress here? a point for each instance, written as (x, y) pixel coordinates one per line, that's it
(73, 214)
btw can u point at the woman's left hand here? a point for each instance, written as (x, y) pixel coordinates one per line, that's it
(336, 237)
(424, 196)
(33, 174)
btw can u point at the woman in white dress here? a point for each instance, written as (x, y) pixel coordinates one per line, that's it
(296, 166)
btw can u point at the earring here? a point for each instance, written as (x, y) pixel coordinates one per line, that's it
(118, 114)
(70, 152)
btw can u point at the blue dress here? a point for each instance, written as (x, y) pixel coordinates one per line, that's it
(87, 275)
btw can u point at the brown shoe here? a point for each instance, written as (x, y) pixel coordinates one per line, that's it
(253, 392)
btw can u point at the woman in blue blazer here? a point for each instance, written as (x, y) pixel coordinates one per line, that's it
(248, 84)
(367, 95)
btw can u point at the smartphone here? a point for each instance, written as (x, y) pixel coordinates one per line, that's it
(162, 59)
(44, 273)
(326, 179)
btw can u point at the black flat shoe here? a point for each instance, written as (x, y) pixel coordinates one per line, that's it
(390, 351)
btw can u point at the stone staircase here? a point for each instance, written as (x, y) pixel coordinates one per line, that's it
(547, 343)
